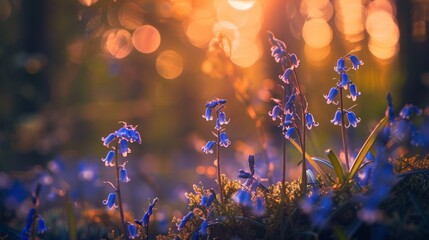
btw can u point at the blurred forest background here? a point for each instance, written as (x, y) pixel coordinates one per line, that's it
(70, 70)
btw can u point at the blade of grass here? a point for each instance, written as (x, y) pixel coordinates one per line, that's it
(366, 147)
(336, 164)
(324, 161)
(309, 159)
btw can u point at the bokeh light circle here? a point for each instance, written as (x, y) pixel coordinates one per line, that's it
(317, 33)
(117, 43)
(245, 53)
(88, 2)
(241, 4)
(169, 64)
(146, 39)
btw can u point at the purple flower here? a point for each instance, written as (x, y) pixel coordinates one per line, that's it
(110, 201)
(286, 75)
(107, 140)
(259, 206)
(353, 120)
(203, 228)
(41, 226)
(355, 62)
(208, 114)
(244, 197)
(290, 102)
(222, 118)
(223, 140)
(333, 92)
(148, 213)
(184, 220)
(108, 160)
(212, 103)
(288, 120)
(123, 176)
(132, 231)
(344, 81)
(278, 53)
(340, 66)
(123, 147)
(289, 132)
(208, 148)
(353, 92)
(408, 110)
(294, 59)
(310, 121)
(337, 118)
(275, 112)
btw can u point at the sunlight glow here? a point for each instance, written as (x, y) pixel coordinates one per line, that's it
(241, 4)
(317, 33)
(146, 39)
(169, 64)
(117, 43)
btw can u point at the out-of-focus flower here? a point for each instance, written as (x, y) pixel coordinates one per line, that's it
(132, 231)
(185, 220)
(355, 62)
(223, 140)
(208, 148)
(110, 201)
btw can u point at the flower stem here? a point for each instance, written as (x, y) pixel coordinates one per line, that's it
(219, 178)
(118, 192)
(343, 130)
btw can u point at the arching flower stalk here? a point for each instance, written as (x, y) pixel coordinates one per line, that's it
(123, 136)
(343, 84)
(292, 122)
(222, 140)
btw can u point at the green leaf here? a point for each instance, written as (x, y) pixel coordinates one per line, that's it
(366, 147)
(324, 161)
(336, 164)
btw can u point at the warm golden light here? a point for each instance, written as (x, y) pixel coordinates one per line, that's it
(225, 12)
(146, 39)
(117, 43)
(88, 2)
(317, 33)
(317, 9)
(227, 29)
(130, 15)
(316, 56)
(199, 27)
(349, 19)
(169, 64)
(381, 27)
(200, 169)
(210, 171)
(245, 53)
(241, 4)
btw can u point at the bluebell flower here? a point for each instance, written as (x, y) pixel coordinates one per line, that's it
(41, 225)
(123, 133)
(333, 92)
(123, 176)
(185, 220)
(289, 132)
(353, 120)
(278, 53)
(353, 92)
(212, 104)
(211, 198)
(204, 200)
(288, 119)
(355, 62)
(203, 228)
(135, 136)
(259, 206)
(344, 83)
(28, 223)
(275, 112)
(319, 216)
(109, 139)
(222, 118)
(286, 75)
(223, 140)
(208, 148)
(294, 59)
(123, 147)
(244, 197)
(132, 231)
(244, 174)
(208, 114)
(310, 121)
(337, 118)
(408, 110)
(221, 101)
(340, 66)
(108, 160)
(110, 201)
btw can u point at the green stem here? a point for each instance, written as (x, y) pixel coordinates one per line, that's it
(343, 130)
(118, 193)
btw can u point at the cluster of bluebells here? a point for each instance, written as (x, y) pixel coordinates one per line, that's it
(122, 137)
(318, 207)
(132, 229)
(32, 216)
(216, 106)
(378, 178)
(244, 195)
(285, 110)
(204, 212)
(344, 83)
